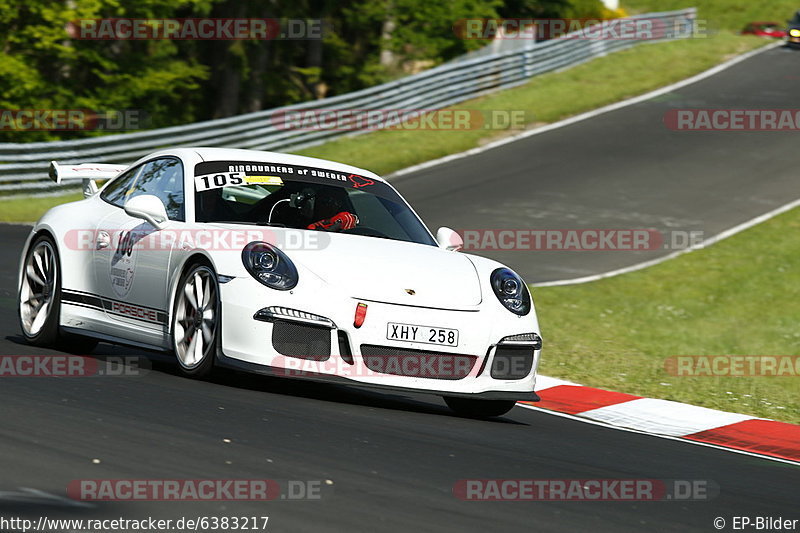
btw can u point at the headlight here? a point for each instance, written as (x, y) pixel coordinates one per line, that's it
(511, 291)
(270, 266)
(794, 32)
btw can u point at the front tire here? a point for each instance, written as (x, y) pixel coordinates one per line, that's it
(474, 408)
(195, 322)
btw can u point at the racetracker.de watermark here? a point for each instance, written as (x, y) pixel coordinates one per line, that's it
(72, 120)
(213, 522)
(578, 240)
(208, 29)
(585, 490)
(71, 366)
(401, 119)
(591, 29)
(733, 365)
(388, 366)
(128, 241)
(732, 119)
(195, 489)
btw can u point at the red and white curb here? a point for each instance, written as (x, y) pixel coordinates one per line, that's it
(744, 433)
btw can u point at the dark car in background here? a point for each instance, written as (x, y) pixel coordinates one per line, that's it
(793, 32)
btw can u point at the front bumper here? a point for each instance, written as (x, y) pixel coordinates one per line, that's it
(311, 335)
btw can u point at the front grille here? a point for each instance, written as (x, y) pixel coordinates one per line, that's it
(512, 362)
(301, 340)
(416, 363)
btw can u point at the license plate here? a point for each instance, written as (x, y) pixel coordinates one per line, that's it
(417, 333)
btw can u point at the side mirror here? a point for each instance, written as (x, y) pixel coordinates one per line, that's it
(449, 239)
(149, 208)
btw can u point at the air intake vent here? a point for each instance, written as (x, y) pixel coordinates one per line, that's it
(344, 347)
(416, 363)
(512, 362)
(301, 340)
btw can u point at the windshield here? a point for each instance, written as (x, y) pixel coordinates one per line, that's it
(304, 198)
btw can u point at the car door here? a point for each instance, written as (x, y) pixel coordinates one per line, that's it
(132, 256)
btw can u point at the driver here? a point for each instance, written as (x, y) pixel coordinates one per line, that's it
(332, 207)
(341, 221)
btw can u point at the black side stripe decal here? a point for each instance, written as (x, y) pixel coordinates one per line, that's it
(114, 307)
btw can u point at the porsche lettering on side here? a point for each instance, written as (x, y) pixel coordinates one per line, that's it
(278, 264)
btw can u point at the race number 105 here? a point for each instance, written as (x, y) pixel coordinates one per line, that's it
(216, 181)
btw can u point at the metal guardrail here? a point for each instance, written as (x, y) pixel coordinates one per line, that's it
(23, 166)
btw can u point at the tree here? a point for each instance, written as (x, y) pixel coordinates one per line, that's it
(43, 67)
(364, 42)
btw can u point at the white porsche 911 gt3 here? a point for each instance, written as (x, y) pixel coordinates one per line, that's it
(279, 264)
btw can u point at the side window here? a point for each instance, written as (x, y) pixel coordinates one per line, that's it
(117, 191)
(163, 178)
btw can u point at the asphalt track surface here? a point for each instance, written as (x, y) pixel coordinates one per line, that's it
(393, 458)
(625, 170)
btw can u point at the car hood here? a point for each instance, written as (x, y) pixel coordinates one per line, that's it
(390, 271)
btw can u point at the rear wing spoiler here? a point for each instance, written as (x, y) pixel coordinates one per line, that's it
(87, 172)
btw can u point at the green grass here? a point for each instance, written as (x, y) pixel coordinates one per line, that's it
(27, 209)
(738, 297)
(722, 14)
